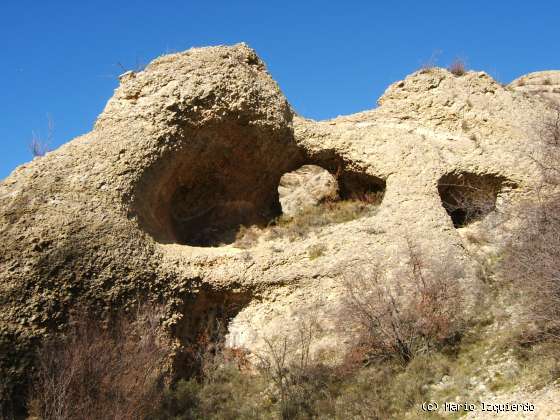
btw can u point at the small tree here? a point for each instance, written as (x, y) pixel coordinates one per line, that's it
(533, 251)
(286, 362)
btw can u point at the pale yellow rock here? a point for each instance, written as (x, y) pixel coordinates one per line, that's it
(186, 151)
(306, 187)
(544, 84)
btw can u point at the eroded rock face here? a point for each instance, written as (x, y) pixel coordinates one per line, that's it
(306, 187)
(545, 84)
(194, 147)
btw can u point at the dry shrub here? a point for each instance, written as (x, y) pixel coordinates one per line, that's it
(532, 253)
(457, 67)
(93, 372)
(414, 315)
(39, 147)
(547, 156)
(325, 214)
(430, 63)
(287, 364)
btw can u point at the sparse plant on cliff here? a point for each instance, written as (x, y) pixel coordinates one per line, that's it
(431, 62)
(533, 251)
(286, 363)
(457, 67)
(38, 146)
(300, 225)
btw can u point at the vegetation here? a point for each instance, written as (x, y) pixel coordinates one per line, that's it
(39, 147)
(457, 67)
(408, 316)
(311, 219)
(95, 372)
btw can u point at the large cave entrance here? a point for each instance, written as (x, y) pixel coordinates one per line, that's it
(206, 215)
(217, 181)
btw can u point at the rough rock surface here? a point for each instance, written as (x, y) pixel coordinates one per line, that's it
(546, 84)
(191, 148)
(306, 187)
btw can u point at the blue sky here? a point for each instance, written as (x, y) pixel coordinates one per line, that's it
(62, 58)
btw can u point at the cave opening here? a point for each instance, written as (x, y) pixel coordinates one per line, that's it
(359, 186)
(203, 329)
(354, 183)
(469, 197)
(212, 184)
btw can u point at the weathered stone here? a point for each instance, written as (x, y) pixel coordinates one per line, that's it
(306, 187)
(194, 147)
(544, 84)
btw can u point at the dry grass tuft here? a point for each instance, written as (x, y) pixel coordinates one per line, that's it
(312, 219)
(457, 67)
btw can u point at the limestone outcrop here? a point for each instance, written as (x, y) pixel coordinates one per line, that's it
(306, 187)
(545, 84)
(195, 146)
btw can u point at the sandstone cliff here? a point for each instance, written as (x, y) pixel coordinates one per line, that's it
(186, 152)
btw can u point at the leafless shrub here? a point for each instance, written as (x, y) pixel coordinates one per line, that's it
(531, 262)
(547, 156)
(287, 364)
(38, 146)
(101, 373)
(410, 316)
(431, 62)
(532, 253)
(457, 67)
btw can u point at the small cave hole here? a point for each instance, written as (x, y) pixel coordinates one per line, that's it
(469, 197)
(202, 331)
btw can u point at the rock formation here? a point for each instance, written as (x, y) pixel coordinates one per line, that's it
(306, 187)
(545, 84)
(195, 146)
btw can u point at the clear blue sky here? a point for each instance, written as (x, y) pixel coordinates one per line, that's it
(60, 58)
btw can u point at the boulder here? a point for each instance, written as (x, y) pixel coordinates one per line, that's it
(306, 187)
